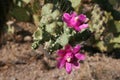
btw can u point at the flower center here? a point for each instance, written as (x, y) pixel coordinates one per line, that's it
(68, 59)
(76, 18)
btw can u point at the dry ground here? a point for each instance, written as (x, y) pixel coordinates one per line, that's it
(19, 62)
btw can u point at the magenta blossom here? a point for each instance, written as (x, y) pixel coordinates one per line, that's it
(77, 22)
(69, 58)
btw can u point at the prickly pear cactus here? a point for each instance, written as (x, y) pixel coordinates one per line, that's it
(115, 30)
(98, 21)
(105, 30)
(50, 32)
(75, 4)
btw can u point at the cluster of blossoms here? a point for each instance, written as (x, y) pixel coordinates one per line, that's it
(77, 22)
(69, 57)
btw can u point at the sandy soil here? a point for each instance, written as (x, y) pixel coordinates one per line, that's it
(19, 62)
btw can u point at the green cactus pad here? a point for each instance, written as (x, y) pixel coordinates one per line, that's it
(51, 28)
(63, 39)
(56, 14)
(38, 34)
(47, 9)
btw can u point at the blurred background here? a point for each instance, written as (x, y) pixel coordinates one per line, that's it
(20, 19)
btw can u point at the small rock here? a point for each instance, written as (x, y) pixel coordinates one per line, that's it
(61, 78)
(28, 38)
(55, 76)
(13, 78)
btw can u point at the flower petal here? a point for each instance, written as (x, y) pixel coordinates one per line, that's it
(80, 56)
(73, 14)
(76, 48)
(61, 52)
(66, 17)
(77, 28)
(76, 65)
(72, 22)
(82, 17)
(68, 55)
(68, 67)
(61, 63)
(83, 26)
(68, 48)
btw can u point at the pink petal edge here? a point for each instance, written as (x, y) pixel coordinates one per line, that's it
(61, 63)
(76, 48)
(83, 26)
(80, 56)
(61, 52)
(66, 17)
(68, 67)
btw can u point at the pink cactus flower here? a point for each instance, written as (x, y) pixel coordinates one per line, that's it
(77, 22)
(69, 58)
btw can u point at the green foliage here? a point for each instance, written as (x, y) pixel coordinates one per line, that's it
(26, 1)
(25, 10)
(38, 34)
(75, 4)
(106, 30)
(46, 9)
(21, 14)
(99, 19)
(115, 4)
(53, 34)
(49, 25)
